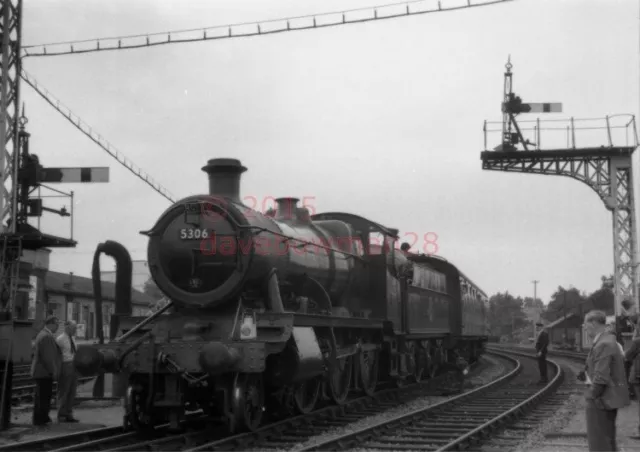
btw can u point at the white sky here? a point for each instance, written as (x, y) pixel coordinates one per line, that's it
(383, 119)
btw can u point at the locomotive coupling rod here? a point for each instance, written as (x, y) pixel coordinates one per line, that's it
(146, 321)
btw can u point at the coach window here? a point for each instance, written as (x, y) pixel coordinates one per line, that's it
(376, 240)
(419, 277)
(358, 248)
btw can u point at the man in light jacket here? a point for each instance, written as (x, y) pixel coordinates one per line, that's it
(68, 383)
(607, 389)
(45, 367)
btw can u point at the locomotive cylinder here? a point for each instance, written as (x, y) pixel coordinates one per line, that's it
(90, 361)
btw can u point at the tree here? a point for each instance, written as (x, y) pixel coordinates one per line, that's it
(505, 314)
(581, 303)
(152, 290)
(564, 302)
(530, 303)
(602, 299)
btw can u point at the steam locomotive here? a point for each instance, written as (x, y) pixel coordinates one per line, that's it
(280, 312)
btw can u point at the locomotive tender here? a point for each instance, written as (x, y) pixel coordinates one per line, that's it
(250, 331)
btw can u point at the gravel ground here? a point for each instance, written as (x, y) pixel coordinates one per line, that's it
(97, 414)
(91, 414)
(493, 368)
(571, 419)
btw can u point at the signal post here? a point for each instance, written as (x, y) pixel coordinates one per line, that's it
(603, 162)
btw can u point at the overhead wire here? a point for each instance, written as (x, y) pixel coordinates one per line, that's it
(231, 31)
(94, 136)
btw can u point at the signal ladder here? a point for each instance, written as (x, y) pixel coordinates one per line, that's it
(9, 276)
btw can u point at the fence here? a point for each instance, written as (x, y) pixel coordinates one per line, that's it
(572, 133)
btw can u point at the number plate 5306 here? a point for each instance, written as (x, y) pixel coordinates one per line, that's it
(193, 233)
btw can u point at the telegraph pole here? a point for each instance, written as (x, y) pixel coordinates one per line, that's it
(564, 308)
(535, 286)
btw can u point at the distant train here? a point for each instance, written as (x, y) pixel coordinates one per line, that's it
(278, 312)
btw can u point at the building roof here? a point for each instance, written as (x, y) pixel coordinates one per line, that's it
(57, 282)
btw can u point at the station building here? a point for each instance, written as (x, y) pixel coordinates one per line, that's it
(140, 274)
(43, 292)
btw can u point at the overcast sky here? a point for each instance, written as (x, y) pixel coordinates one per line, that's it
(382, 119)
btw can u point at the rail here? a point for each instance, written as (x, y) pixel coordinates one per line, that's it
(112, 438)
(569, 133)
(388, 427)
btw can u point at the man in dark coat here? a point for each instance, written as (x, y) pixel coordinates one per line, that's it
(632, 357)
(607, 389)
(542, 344)
(45, 367)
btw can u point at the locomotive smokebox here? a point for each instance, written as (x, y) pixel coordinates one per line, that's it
(224, 177)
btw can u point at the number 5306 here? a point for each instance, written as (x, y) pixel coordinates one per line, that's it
(193, 233)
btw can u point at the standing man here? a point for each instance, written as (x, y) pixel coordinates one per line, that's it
(542, 344)
(607, 387)
(68, 383)
(45, 367)
(632, 356)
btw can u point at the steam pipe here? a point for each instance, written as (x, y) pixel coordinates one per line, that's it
(273, 292)
(146, 321)
(132, 347)
(123, 284)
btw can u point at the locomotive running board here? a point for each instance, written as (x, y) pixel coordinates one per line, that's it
(330, 321)
(77, 400)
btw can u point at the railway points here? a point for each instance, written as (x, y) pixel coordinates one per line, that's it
(321, 421)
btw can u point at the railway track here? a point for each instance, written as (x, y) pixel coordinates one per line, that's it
(516, 434)
(559, 353)
(24, 387)
(114, 438)
(24, 392)
(463, 422)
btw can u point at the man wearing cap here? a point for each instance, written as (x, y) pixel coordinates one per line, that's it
(67, 385)
(541, 351)
(44, 368)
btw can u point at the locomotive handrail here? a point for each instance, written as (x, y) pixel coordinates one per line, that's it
(338, 215)
(304, 242)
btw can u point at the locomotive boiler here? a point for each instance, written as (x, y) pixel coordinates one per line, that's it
(205, 250)
(273, 313)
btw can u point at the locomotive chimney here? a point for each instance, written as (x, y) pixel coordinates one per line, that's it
(224, 177)
(286, 208)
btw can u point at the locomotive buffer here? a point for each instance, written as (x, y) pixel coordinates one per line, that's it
(16, 329)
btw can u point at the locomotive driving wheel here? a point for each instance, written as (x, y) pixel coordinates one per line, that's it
(136, 413)
(247, 402)
(306, 395)
(368, 371)
(340, 379)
